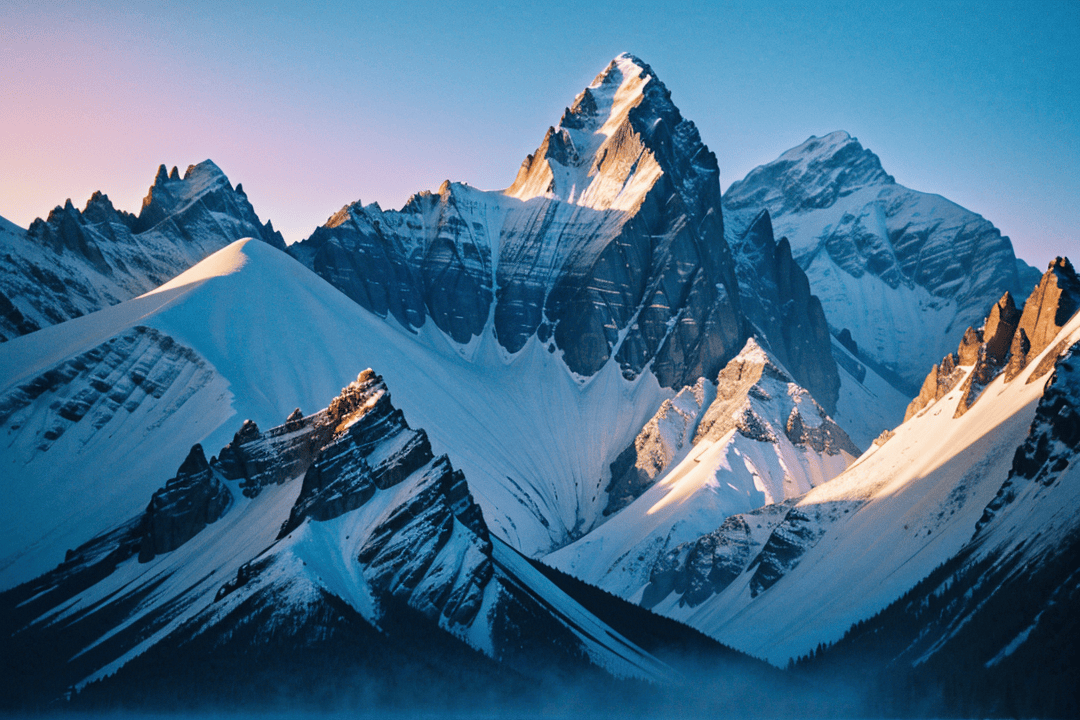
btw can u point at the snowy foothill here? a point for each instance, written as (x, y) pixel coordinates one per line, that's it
(533, 439)
(721, 457)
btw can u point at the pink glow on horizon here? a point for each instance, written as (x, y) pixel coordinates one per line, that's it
(317, 107)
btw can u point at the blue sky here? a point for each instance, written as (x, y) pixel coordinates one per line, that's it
(316, 105)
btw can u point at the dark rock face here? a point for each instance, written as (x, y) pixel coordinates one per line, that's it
(360, 445)
(696, 571)
(848, 219)
(766, 543)
(346, 475)
(202, 200)
(776, 298)
(845, 339)
(782, 552)
(429, 259)
(73, 262)
(408, 547)
(1053, 439)
(258, 459)
(626, 261)
(799, 531)
(180, 510)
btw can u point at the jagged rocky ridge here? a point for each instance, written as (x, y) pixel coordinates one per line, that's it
(343, 511)
(776, 299)
(904, 271)
(1007, 339)
(180, 510)
(78, 261)
(608, 245)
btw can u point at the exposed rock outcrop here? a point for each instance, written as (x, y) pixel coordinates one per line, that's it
(776, 298)
(697, 570)
(1053, 301)
(941, 379)
(180, 510)
(1052, 440)
(752, 395)
(1007, 340)
(805, 421)
(347, 472)
(670, 430)
(845, 339)
(105, 384)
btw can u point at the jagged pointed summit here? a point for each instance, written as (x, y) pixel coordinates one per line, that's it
(610, 147)
(618, 252)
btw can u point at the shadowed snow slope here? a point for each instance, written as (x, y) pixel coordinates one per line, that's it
(92, 409)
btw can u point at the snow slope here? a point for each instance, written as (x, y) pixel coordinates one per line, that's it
(854, 545)
(868, 404)
(268, 336)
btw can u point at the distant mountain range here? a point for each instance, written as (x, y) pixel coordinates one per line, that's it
(640, 434)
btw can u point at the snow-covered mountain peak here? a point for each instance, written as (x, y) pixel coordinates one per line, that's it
(604, 105)
(810, 176)
(99, 206)
(752, 438)
(75, 262)
(904, 271)
(228, 260)
(610, 147)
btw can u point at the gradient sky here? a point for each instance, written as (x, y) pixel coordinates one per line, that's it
(315, 105)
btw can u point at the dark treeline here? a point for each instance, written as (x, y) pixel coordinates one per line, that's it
(991, 637)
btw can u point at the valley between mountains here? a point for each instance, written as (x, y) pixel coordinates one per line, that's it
(606, 439)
